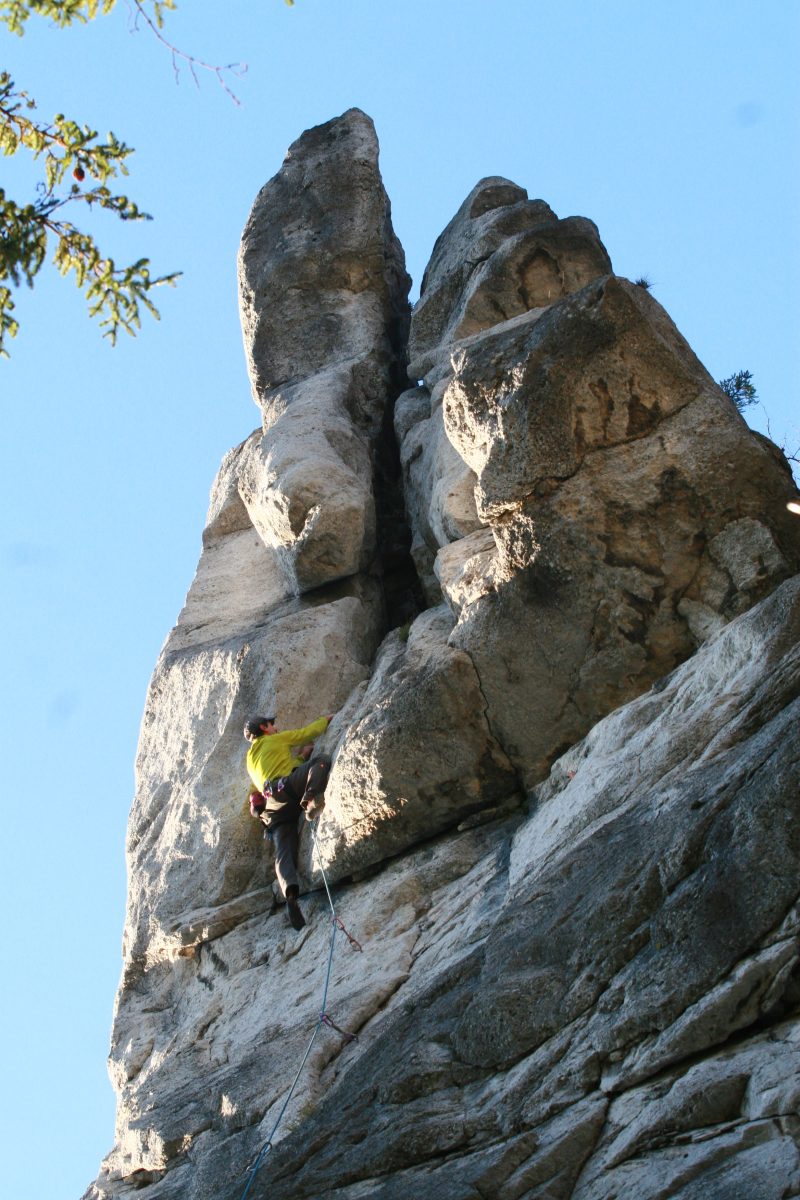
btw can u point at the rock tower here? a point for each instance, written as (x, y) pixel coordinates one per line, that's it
(543, 573)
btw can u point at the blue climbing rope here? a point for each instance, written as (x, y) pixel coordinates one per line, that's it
(268, 1143)
(323, 1018)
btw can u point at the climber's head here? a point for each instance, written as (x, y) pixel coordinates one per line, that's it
(256, 727)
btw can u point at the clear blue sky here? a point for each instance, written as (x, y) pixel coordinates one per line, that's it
(671, 123)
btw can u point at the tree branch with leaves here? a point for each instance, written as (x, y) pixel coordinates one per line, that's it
(115, 294)
(78, 167)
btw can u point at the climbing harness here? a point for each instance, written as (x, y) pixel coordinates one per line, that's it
(323, 1019)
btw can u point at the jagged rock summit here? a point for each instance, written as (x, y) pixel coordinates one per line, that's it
(324, 306)
(550, 592)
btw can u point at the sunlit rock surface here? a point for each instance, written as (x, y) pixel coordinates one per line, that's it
(501, 255)
(562, 817)
(633, 512)
(324, 305)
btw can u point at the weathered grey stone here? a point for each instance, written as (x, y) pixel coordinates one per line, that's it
(191, 842)
(503, 1001)
(439, 486)
(592, 997)
(738, 1002)
(418, 755)
(323, 299)
(500, 256)
(614, 921)
(714, 1130)
(702, 621)
(463, 567)
(236, 1014)
(239, 579)
(307, 486)
(494, 994)
(608, 471)
(746, 550)
(531, 400)
(411, 406)
(322, 277)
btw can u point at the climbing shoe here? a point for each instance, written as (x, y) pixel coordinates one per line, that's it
(296, 918)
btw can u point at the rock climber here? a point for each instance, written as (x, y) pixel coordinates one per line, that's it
(289, 782)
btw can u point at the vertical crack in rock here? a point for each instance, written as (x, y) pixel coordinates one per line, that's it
(494, 734)
(600, 993)
(324, 305)
(402, 592)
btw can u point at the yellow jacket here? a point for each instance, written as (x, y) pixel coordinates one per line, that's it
(270, 756)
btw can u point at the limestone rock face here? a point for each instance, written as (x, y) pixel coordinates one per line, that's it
(322, 276)
(633, 512)
(307, 487)
(418, 755)
(324, 305)
(595, 998)
(501, 255)
(191, 843)
(285, 612)
(561, 826)
(439, 486)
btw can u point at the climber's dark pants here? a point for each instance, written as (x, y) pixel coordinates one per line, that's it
(311, 776)
(284, 839)
(285, 812)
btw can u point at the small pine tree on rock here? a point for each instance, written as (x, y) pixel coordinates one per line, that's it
(740, 389)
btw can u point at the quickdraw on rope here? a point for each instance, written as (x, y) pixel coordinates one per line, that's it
(324, 1019)
(348, 1037)
(354, 942)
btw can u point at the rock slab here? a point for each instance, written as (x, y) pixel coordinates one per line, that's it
(593, 999)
